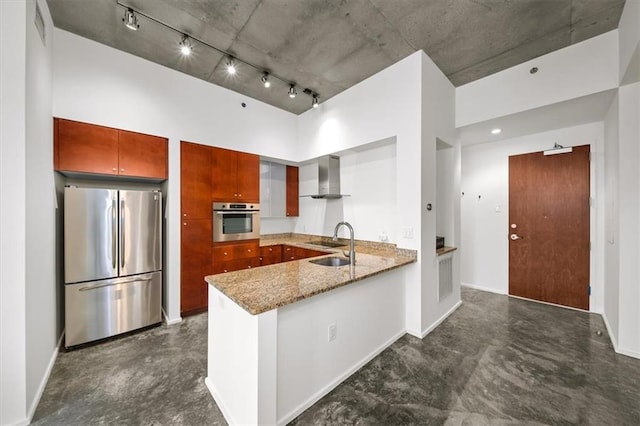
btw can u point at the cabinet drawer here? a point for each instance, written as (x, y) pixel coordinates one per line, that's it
(270, 259)
(235, 251)
(275, 250)
(220, 267)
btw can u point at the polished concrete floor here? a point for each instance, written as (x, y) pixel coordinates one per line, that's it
(496, 360)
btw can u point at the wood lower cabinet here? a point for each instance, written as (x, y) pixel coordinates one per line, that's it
(290, 253)
(270, 255)
(89, 148)
(229, 257)
(292, 207)
(235, 176)
(195, 264)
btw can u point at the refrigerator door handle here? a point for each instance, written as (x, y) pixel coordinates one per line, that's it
(114, 237)
(122, 256)
(97, 286)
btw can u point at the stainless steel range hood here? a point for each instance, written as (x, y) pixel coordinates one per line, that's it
(328, 177)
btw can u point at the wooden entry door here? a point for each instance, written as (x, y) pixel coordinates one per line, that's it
(549, 227)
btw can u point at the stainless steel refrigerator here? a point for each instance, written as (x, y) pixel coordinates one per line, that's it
(112, 262)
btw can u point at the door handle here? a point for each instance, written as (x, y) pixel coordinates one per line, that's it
(516, 237)
(122, 233)
(97, 286)
(114, 236)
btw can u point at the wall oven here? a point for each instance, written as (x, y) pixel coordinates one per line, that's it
(235, 221)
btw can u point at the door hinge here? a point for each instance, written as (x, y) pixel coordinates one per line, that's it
(589, 245)
(589, 290)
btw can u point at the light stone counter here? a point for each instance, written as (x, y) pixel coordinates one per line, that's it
(265, 288)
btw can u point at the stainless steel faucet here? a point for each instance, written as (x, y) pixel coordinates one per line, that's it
(352, 243)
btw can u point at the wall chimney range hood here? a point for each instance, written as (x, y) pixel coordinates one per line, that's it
(328, 178)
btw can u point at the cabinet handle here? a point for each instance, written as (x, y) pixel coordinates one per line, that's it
(249, 267)
(270, 249)
(225, 253)
(239, 195)
(185, 223)
(122, 170)
(185, 215)
(235, 195)
(226, 270)
(115, 169)
(249, 250)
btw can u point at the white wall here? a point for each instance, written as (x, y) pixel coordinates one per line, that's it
(135, 94)
(368, 176)
(629, 219)
(412, 102)
(611, 251)
(13, 78)
(629, 33)
(577, 70)
(43, 328)
(29, 322)
(485, 184)
(368, 316)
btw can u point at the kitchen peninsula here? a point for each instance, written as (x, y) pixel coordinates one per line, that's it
(274, 349)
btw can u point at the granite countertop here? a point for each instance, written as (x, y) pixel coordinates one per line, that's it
(265, 288)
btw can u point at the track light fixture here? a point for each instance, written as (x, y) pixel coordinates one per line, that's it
(186, 47)
(130, 19)
(231, 66)
(265, 80)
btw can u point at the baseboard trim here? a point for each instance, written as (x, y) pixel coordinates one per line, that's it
(440, 320)
(612, 337)
(218, 399)
(172, 321)
(43, 382)
(626, 352)
(333, 384)
(478, 287)
(549, 303)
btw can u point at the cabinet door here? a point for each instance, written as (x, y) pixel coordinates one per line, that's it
(288, 253)
(142, 155)
(195, 264)
(224, 165)
(248, 177)
(83, 147)
(195, 181)
(292, 191)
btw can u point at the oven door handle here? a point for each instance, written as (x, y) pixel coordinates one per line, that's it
(238, 211)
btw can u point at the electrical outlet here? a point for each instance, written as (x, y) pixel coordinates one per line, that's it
(332, 332)
(407, 233)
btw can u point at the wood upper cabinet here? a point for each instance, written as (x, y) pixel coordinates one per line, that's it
(235, 176)
(292, 191)
(195, 181)
(82, 147)
(89, 148)
(142, 155)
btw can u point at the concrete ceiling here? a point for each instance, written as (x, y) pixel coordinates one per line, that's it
(328, 46)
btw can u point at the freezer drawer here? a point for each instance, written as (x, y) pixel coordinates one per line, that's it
(99, 309)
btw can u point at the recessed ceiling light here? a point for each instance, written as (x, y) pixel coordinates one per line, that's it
(314, 103)
(496, 131)
(292, 91)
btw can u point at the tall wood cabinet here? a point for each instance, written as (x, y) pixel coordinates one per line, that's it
(212, 174)
(89, 148)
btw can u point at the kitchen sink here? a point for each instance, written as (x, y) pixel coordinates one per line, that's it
(330, 244)
(331, 261)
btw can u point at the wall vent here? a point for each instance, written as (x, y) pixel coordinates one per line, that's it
(445, 277)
